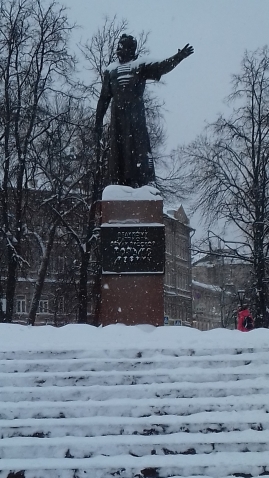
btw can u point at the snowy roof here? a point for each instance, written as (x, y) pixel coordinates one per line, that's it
(213, 288)
(202, 263)
(216, 257)
(178, 214)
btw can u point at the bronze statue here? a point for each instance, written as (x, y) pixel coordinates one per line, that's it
(124, 82)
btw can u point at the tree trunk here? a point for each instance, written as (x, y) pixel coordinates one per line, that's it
(41, 276)
(92, 223)
(83, 289)
(10, 284)
(97, 295)
(260, 272)
(14, 248)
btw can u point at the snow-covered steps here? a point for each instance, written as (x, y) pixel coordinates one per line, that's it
(135, 412)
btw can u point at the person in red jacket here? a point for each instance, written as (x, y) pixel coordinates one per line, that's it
(245, 321)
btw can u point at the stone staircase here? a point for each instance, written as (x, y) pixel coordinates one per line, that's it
(134, 413)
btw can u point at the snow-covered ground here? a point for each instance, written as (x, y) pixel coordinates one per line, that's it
(84, 337)
(80, 401)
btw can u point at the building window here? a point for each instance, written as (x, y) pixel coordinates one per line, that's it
(60, 305)
(3, 305)
(178, 280)
(185, 250)
(21, 304)
(181, 280)
(184, 282)
(177, 246)
(168, 243)
(57, 264)
(168, 274)
(43, 306)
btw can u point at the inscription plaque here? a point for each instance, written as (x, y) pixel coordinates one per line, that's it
(133, 249)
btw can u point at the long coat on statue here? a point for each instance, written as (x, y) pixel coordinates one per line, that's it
(130, 160)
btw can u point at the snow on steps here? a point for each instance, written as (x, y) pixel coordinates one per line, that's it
(161, 413)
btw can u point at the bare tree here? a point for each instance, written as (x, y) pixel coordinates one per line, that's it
(34, 61)
(228, 170)
(61, 174)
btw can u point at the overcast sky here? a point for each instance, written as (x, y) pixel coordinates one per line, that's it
(220, 32)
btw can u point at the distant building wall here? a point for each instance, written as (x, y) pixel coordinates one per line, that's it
(216, 280)
(206, 306)
(177, 283)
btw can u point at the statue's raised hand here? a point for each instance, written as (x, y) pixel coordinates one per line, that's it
(186, 51)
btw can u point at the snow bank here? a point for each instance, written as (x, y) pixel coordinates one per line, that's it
(75, 337)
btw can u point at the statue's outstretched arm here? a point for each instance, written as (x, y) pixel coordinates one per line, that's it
(157, 69)
(102, 105)
(170, 63)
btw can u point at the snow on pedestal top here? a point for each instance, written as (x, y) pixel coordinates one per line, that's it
(126, 193)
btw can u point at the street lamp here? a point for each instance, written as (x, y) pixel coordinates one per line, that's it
(241, 296)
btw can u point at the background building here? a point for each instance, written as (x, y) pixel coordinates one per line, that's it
(178, 275)
(216, 281)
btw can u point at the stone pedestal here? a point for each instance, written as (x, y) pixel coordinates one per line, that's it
(133, 249)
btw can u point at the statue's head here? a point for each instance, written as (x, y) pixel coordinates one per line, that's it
(126, 48)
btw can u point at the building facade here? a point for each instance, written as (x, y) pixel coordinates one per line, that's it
(178, 274)
(216, 281)
(206, 304)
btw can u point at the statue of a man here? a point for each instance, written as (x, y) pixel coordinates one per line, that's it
(130, 161)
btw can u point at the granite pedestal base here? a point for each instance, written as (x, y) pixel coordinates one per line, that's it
(133, 251)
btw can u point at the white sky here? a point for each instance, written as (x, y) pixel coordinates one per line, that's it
(219, 30)
(109, 382)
